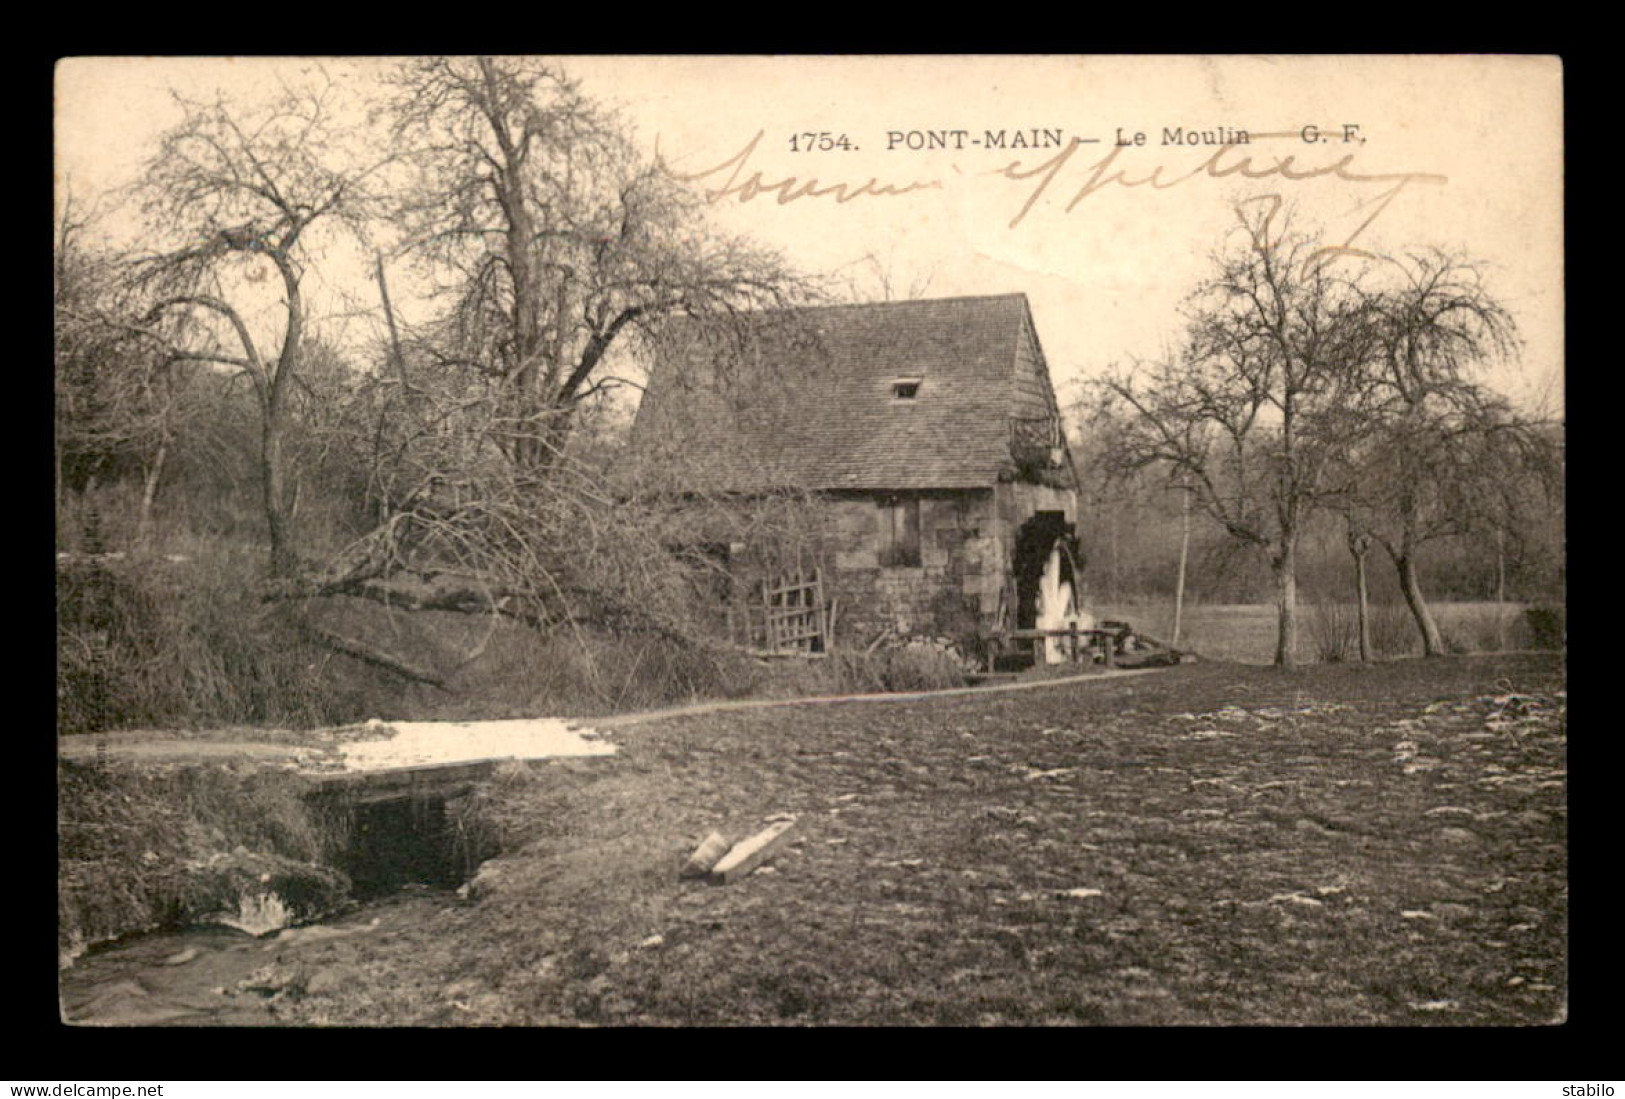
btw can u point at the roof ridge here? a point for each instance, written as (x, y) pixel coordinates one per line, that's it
(883, 304)
(915, 301)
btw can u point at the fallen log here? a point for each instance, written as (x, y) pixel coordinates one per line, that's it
(461, 594)
(747, 855)
(353, 648)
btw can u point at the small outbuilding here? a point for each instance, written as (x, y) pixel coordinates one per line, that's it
(930, 432)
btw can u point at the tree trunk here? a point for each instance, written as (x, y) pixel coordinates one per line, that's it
(1285, 567)
(149, 493)
(1500, 590)
(389, 318)
(1179, 581)
(1359, 548)
(1111, 573)
(1363, 613)
(276, 516)
(1432, 641)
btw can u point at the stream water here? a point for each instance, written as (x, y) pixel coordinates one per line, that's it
(403, 859)
(218, 976)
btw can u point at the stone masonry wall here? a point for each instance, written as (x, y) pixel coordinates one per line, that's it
(964, 579)
(959, 549)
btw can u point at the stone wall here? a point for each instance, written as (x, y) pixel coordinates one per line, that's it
(963, 580)
(938, 596)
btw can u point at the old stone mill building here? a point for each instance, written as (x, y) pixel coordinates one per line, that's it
(930, 433)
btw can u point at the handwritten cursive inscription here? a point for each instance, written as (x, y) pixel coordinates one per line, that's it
(788, 189)
(741, 182)
(1222, 164)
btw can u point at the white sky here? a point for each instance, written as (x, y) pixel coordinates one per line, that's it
(1104, 279)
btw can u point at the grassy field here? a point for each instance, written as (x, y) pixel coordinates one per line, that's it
(1245, 632)
(1210, 844)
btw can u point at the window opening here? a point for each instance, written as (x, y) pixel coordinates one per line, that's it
(900, 532)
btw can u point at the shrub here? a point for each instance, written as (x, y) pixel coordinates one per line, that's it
(141, 850)
(578, 673)
(857, 672)
(920, 668)
(1547, 626)
(113, 654)
(143, 641)
(1482, 629)
(1393, 630)
(639, 673)
(1335, 629)
(903, 669)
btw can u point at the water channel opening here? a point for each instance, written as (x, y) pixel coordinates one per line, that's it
(388, 843)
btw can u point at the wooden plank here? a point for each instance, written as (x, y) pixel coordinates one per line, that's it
(705, 856)
(820, 621)
(424, 780)
(747, 855)
(1029, 634)
(1034, 634)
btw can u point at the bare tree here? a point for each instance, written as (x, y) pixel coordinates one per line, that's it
(550, 240)
(599, 535)
(548, 248)
(873, 278)
(1266, 392)
(120, 402)
(82, 282)
(238, 194)
(1438, 453)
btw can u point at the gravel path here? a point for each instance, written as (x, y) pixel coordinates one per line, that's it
(370, 747)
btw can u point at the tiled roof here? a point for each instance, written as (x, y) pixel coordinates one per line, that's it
(809, 398)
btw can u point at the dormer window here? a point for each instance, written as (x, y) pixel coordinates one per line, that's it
(905, 389)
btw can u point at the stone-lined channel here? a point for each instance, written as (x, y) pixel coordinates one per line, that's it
(402, 837)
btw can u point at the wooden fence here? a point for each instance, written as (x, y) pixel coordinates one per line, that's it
(792, 618)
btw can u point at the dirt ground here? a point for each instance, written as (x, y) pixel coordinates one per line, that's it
(1335, 845)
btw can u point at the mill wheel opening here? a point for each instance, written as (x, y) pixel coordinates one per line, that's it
(1045, 565)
